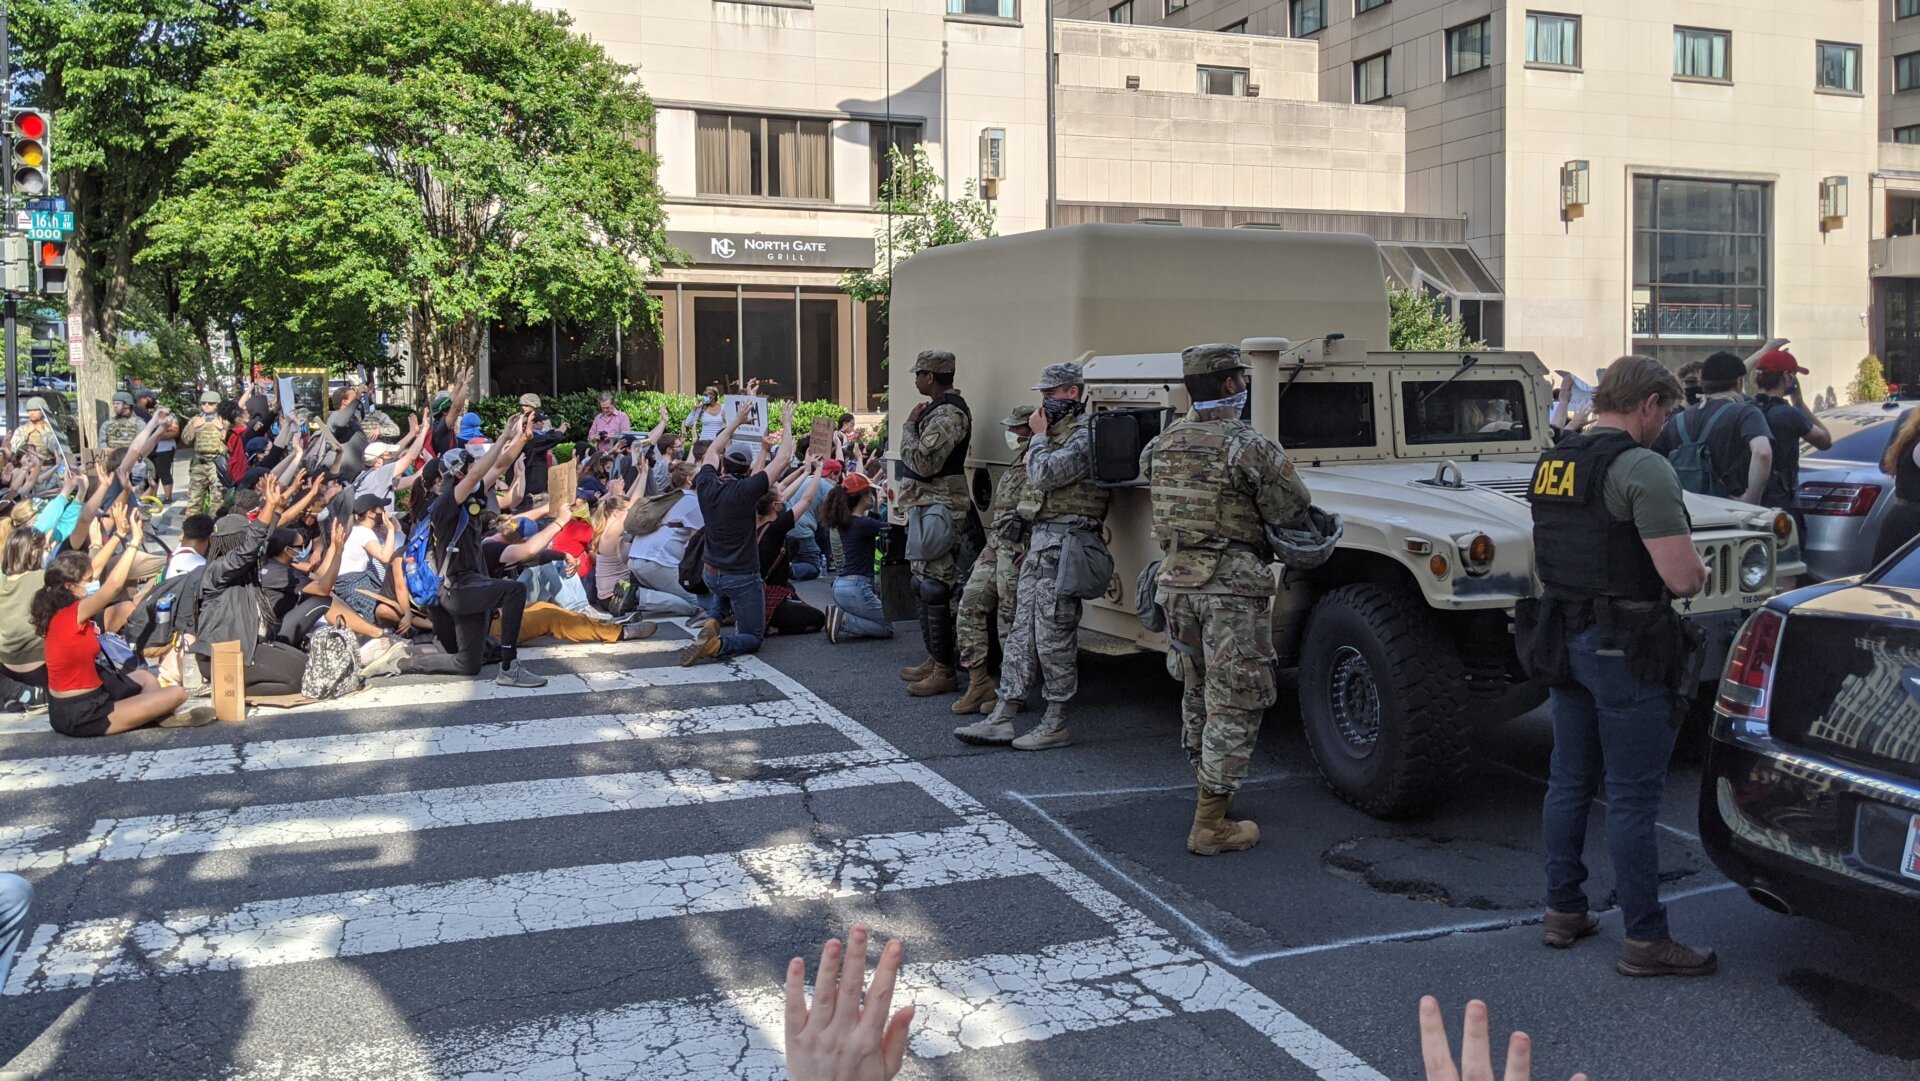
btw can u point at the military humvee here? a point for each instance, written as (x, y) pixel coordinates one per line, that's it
(1403, 641)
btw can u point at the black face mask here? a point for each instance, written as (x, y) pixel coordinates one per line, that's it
(1694, 394)
(1059, 409)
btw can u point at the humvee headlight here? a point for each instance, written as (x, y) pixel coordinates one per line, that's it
(1479, 554)
(1438, 565)
(1782, 526)
(1756, 566)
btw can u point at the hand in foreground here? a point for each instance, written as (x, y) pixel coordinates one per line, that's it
(840, 1038)
(1476, 1055)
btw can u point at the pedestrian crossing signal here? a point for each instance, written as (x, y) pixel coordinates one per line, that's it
(53, 267)
(27, 137)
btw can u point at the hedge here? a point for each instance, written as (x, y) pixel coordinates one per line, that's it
(641, 407)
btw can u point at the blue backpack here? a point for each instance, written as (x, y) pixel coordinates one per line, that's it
(1693, 460)
(423, 573)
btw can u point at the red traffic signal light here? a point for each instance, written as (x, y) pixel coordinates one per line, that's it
(27, 134)
(52, 257)
(53, 253)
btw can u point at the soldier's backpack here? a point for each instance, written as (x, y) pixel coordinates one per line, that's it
(333, 662)
(1693, 458)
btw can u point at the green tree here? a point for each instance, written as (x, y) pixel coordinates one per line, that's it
(1869, 382)
(920, 216)
(108, 69)
(1416, 324)
(423, 167)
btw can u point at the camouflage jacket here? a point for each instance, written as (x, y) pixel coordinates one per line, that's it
(925, 445)
(1007, 493)
(1060, 486)
(116, 432)
(1251, 468)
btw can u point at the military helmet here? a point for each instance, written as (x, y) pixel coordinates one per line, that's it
(121, 397)
(209, 397)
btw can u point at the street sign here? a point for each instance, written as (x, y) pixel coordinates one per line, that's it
(76, 349)
(54, 203)
(46, 234)
(19, 219)
(50, 221)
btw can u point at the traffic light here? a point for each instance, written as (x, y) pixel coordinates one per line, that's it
(32, 165)
(53, 267)
(17, 254)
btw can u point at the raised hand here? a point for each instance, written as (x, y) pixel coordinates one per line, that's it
(1476, 1054)
(840, 1038)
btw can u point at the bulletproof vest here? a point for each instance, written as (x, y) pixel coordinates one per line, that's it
(1195, 502)
(1570, 514)
(1082, 498)
(957, 460)
(120, 431)
(211, 439)
(1008, 491)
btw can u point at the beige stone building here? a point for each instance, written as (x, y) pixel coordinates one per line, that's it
(1667, 176)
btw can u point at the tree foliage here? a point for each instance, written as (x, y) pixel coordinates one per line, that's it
(369, 167)
(1417, 324)
(1869, 382)
(921, 216)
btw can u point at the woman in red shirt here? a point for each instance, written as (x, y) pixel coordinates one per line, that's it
(86, 697)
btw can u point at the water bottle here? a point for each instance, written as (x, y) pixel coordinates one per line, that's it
(163, 618)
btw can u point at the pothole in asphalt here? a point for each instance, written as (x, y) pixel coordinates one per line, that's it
(1878, 1021)
(1451, 872)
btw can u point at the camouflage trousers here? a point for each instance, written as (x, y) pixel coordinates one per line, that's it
(204, 493)
(1227, 686)
(1042, 636)
(987, 600)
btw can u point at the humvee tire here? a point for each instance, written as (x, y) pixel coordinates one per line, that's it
(1381, 695)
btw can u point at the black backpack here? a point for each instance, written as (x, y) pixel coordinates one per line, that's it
(693, 564)
(145, 629)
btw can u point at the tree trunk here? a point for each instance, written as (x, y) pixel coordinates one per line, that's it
(441, 349)
(96, 293)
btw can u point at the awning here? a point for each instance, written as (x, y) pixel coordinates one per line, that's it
(1448, 268)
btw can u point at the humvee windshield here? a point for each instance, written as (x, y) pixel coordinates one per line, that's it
(1466, 411)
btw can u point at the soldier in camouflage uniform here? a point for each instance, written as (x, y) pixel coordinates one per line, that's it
(1216, 486)
(1066, 508)
(117, 432)
(988, 597)
(207, 435)
(933, 454)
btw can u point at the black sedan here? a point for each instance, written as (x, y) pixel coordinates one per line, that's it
(1811, 798)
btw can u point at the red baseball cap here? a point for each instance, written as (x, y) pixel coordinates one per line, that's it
(855, 484)
(1779, 360)
(831, 467)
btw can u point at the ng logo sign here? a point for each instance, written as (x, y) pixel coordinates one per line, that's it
(721, 247)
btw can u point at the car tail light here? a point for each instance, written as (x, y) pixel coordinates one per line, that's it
(1838, 500)
(1748, 682)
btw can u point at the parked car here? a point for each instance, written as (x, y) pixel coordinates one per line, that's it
(1843, 495)
(1811, 795)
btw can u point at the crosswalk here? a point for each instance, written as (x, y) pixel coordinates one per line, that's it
(418, 820)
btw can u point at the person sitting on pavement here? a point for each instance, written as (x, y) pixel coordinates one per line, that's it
(804, 492)
(195, 531)
(506, 552)
(233, 608)
(654, 557)
(732, 559)
(16, 900)
(857, 611)
(371, 545)
(786, 612)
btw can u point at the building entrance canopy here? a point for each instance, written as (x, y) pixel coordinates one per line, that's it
(1452, 269)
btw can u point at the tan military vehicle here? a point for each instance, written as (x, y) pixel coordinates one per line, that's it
(1403, 641)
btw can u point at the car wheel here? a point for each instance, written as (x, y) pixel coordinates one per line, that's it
(1381, 691)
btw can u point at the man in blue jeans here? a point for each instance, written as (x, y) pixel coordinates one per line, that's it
(729, 486)
(16, 897)
(1614, 547)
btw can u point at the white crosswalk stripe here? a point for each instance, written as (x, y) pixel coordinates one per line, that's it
(1135, 972)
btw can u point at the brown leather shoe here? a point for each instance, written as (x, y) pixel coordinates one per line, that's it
(1563, 929)
(1664, 958)
(704, 645)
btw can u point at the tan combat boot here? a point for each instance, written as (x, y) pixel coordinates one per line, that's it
(938, 680)
(914, 673)
(1213, 833)
(980, 692)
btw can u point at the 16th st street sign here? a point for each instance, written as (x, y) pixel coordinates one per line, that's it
(50, 224)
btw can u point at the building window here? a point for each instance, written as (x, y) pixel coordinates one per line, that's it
(1906, 9)
(1175, 5)
(1121, 12)
(1554, 40)
(1837, 67)
(764, 156)
(993, 9)
(1700, 253)
(1906, 71)
(1469, 47)
(1237, 28)
(1370, 78)
(1701, 54)
(1308, 17)
(1909, 134)
(1226, 82)
(881, 138)
(1360, 6)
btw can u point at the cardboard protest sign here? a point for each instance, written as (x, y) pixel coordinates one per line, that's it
(229, 682)
(563, 480)
(820, 439)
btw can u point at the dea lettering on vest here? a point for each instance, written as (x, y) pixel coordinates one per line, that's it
(1553, 478)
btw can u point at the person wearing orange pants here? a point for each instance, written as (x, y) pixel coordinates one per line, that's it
(547, 620)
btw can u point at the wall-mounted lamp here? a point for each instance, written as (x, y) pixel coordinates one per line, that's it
(1253, 90)
(1133, 82)
(993, 161)
(1833, 203)
(1573, 190)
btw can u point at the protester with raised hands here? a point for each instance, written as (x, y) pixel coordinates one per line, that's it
(729, 504)
(846, 1034)
(1476, 1051)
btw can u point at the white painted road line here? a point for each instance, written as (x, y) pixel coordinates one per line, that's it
(394, 745)
(360, 923)
(964, 1005)
(391, 813)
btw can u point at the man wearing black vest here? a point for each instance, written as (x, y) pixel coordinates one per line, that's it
(1614, 546)
(943, 533)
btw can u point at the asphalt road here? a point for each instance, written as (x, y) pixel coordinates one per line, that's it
(604, 879)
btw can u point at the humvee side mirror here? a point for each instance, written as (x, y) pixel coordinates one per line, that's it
(1119, 435)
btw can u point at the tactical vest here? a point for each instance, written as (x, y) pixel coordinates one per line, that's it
(211, 439)
(1008, 491)
(1195, 502)
(1570, 514)
(956, 461)
(120, 432)
(1079, 499)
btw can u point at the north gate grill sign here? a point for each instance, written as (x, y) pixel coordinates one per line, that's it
(764, 249)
